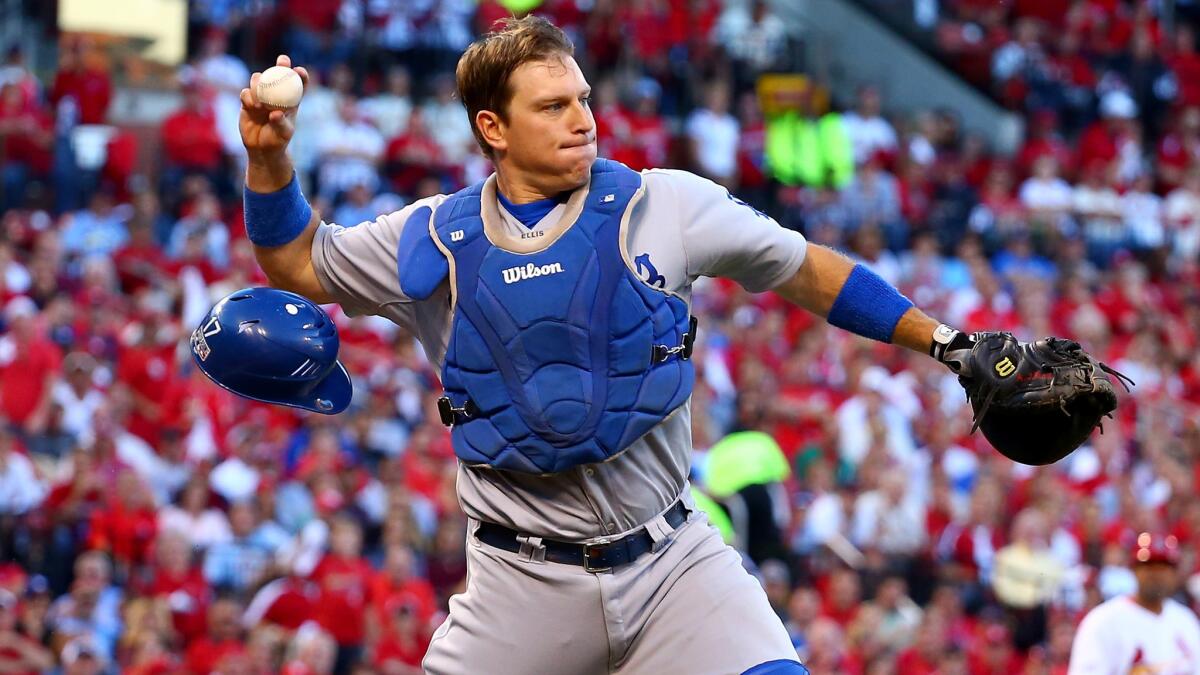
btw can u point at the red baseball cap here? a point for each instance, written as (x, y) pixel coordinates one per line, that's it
(1148, 548)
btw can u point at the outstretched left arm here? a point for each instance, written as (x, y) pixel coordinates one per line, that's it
(821, 283)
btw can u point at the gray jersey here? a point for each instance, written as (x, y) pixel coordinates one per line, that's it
(684, 227)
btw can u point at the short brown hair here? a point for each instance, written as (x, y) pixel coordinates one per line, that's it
(485, 68)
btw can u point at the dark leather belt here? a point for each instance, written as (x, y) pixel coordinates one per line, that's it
(600, 556)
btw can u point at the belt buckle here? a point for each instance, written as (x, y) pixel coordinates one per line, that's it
(587, 558)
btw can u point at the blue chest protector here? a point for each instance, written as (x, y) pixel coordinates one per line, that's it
(556, 358)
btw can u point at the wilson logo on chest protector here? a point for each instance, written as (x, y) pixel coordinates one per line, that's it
(529, 271)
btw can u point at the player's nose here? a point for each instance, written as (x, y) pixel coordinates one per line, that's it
(581, 119)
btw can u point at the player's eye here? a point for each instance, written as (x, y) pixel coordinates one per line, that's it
(586, 100)
(554, 107)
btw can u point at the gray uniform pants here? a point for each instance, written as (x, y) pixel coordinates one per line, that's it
(688, 607)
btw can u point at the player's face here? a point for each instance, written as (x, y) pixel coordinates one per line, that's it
(551, 134)
(1156, 581)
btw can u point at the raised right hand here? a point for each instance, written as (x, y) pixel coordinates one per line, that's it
(267, 131)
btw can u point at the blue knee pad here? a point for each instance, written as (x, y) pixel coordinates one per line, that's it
(780, 667)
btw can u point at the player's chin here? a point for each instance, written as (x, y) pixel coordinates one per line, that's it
(576, 161)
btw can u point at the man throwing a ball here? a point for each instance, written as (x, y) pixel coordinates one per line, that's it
(567, 370)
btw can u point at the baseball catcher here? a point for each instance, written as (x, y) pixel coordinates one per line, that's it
(555, 299)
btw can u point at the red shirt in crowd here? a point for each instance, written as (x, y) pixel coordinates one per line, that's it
(91, 89)
(315, 15)
(190, 139)
(187, 595)
(26, 369)
(408, 651)
(147, 370)
(911, 662)
(1099, 143)
(125, 532)
(1186, 66)
(138, 264)
(415, 591)
(343, 583)
(1178, 152)
(205, 654)
(10, 656)
(291, 601)
(26, 134)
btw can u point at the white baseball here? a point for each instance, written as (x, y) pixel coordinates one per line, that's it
(279, 87)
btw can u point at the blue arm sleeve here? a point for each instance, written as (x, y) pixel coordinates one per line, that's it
(276, 218)
(868, 306)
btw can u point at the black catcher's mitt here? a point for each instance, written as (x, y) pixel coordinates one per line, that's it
(1035, 401)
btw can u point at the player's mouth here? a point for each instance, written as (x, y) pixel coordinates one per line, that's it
(583, 144)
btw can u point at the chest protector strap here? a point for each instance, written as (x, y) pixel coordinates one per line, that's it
(563, 356)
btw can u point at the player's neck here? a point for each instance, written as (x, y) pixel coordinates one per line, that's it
(1155, 606)
(518, 190)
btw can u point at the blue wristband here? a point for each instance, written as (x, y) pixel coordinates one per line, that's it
(868, 306)
(276, 218)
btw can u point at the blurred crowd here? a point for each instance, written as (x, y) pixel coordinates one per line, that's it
(151, 522)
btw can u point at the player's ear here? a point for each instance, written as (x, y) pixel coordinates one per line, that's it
(492, 128)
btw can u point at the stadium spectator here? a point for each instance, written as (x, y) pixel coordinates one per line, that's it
(890, 519)
(1179, 148)
(343, 577)
(755, 38)
(28, 365)
(221, 645)
(826, 649)
(91, 611)
(312, 651)
(82, 89)
(22, 490)
(453, 132)
(871, 135)
(713, 134)
(193, 518)
(18, 653)
(190, 140)
(1047, 196)
(349, 149)
(390, 109)
(203, 223)
(17, 73)
(1026, 577)
(81, 656)
(26, 143)
(1097, 207)
(1182, 213)
(240, 562)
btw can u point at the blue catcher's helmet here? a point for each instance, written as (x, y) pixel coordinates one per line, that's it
(273, 346)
